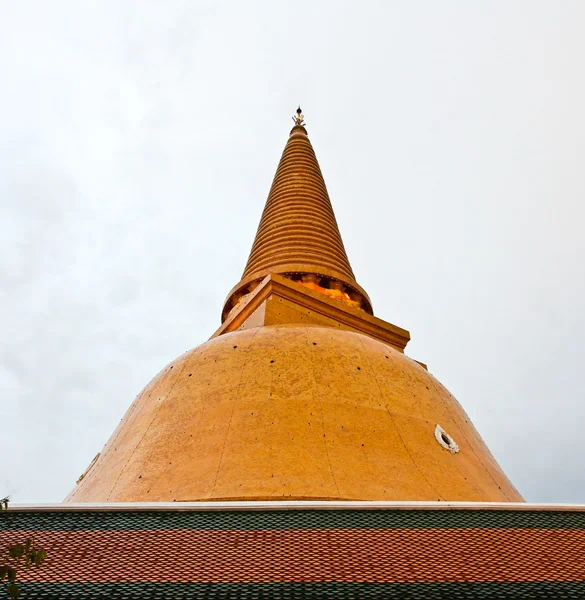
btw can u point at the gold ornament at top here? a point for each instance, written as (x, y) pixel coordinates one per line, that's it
(299, 118)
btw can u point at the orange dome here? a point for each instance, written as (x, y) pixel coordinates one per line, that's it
(301, 412)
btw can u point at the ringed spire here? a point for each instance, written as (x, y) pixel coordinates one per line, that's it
(298, 235)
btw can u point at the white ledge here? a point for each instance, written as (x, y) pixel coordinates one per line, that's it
(288, 505)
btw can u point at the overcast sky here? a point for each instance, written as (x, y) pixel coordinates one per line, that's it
(138, 141)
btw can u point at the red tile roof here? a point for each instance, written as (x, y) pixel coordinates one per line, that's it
(186, 552)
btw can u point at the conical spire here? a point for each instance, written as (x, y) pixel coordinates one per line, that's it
(298, 233)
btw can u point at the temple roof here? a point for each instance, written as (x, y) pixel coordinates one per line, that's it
(296, 551)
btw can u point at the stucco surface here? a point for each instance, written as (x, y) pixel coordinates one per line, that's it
(293, 412)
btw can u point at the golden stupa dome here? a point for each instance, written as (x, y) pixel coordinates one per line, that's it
(279, 412)
(302, 393)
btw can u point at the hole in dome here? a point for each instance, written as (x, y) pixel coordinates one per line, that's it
(235, 347)
(446, 440)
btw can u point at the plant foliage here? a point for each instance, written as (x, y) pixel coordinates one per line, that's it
(15, 556)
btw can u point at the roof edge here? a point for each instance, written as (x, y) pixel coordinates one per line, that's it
(290, 505)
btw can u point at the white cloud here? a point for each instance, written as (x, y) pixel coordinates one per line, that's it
(138, 144)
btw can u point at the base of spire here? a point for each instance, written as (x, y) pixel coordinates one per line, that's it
(277, 300)
(326, 278)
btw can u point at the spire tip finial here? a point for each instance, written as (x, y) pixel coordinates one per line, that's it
(299, 118)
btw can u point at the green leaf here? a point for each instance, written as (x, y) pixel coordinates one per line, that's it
(13, 590)
(16, 551)
(39, 556)
(3, 572)
(11, 574)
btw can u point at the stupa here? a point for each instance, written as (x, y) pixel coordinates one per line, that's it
(298, 453)
(301, 393)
